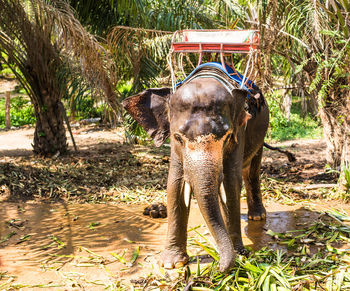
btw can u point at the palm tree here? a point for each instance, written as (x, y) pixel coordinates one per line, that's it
(329, 42)
(306, 40)
(43, 44)
(315, 42)
(141, 43)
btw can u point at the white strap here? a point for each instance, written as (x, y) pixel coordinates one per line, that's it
(247, 67)
(228, 86)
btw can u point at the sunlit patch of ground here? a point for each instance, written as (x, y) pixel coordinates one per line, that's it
(76, 221)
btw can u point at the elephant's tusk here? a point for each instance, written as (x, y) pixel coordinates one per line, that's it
(223, 193)
(187, 194)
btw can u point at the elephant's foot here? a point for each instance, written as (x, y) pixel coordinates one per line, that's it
(173, 258)
(257, 213)
(157, 210)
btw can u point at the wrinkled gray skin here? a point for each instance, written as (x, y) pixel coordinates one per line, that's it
(213, 141)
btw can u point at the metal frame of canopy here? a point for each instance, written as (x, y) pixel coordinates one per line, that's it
(219, 42)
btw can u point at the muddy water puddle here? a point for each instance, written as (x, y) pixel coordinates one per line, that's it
(86, 244)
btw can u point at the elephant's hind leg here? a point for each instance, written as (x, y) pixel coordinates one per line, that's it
(251, 177)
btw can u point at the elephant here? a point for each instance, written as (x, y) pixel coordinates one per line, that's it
(216, 135)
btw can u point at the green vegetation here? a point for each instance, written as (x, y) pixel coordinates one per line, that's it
(296, 127)
(267, 269)
(86, 108)
(22, 112)
(5, 69)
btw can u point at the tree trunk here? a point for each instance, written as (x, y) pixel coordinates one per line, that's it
(50, 134)
(7, 110)
(303, 97)
(335, 117)
(287, 102)
(312, 102)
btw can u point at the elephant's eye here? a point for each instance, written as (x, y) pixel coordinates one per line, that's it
(178, 138)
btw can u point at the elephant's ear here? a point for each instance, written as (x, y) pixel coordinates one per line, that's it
(150, 109)
(241, 96)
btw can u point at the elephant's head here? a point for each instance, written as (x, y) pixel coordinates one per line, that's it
(203, 119)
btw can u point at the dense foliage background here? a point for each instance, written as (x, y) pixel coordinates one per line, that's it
(78, 59)
(303, 67)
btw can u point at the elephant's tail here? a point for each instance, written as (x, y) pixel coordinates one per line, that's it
(291, 157)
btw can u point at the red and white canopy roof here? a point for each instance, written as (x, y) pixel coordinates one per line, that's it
(226, 41)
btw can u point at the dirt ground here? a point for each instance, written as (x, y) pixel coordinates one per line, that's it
(76, 222)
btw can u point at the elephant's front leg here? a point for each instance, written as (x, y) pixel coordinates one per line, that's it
(175, 254)
(230, 193)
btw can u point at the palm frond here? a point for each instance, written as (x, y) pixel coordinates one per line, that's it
(36, 32)
(143, 50)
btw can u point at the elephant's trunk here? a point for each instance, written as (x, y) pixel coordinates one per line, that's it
(205, 179)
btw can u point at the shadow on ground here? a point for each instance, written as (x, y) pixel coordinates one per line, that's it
(88, 175)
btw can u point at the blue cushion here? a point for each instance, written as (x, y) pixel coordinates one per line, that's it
(238, 79)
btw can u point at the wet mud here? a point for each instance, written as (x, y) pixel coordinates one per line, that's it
(51, 242)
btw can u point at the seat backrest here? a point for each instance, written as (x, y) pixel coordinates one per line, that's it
(220, 36)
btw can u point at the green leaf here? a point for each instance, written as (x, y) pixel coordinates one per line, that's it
(23, 238)
(119, 258)
(135, 255)
(263, 276)
(339, 279)
(282, 280)
(248, 266)
(198, 271)
(208, 250)
(225, 281)
(273, 287)
(275, 234)
(266, 286)
(92, 225)
(7, 237)
(56, 240)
